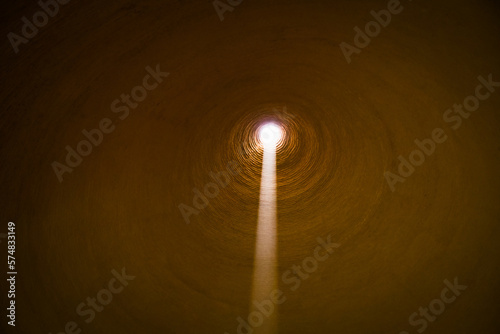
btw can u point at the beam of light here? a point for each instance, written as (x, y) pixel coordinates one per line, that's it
(265, 276)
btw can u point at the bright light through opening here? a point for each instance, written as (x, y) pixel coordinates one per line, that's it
(265, 275)
(270, 134)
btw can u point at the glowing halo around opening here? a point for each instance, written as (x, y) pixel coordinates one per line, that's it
(270, 134)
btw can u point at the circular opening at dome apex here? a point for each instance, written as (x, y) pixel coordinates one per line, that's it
(270, 134)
